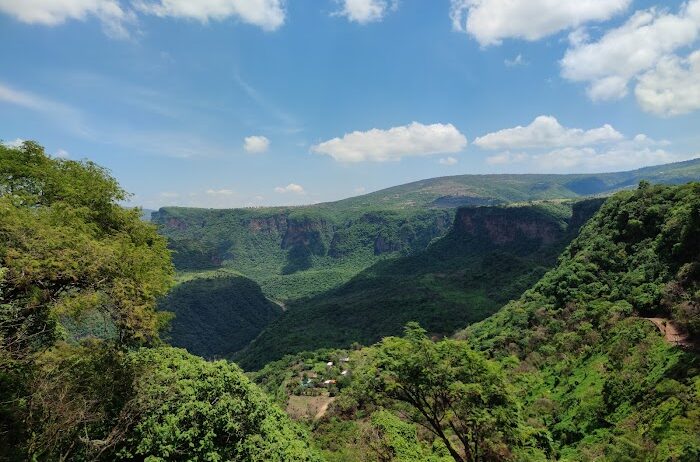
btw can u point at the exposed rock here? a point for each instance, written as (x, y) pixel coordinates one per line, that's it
(505, 225)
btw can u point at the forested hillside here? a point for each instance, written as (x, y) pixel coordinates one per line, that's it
(354, 258)
(589, 368)
(217, 315)
(573, 370)
(490, 256)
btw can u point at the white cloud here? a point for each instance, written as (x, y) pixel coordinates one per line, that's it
(62, 154)
(393, 144)
(219, 192)
(448, 161)
(638, 152)
(622, 54)
(54, 12)
(546, 132)
(267, 14)
(672, 88)
(360, 190)
(366, 11)
(290, 188)
(16, 143)
(256, 144)
(491, 21)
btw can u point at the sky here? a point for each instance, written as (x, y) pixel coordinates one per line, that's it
(240, 103)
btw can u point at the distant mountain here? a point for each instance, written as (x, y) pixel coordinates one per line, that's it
(475, 190)
(311, 256)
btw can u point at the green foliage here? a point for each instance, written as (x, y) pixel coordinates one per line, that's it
(392, 439)
(603, 382)
(76, 266)
(217, 315)
(449, 389)
(197, 410)
(94, 403)
(460, 278)
(66, 246)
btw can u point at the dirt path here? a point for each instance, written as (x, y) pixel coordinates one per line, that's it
(670, 331)
(324, 407)
(278, 303)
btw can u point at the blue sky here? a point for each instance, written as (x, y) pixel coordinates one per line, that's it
(223, 103)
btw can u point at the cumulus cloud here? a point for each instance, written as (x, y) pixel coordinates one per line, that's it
(449, 160)
(114, 18)
(267, 14)
(672, 88)
(625, 154)
(546, 132)
(62, 154)
(393, 144)
(366, 11)
(491, 21)
(623, 53)
(256, 144)
(588, 159)
(290, 188)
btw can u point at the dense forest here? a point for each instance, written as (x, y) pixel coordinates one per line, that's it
(593, 356)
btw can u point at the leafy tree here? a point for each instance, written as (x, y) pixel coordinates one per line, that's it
(449, 389)
(69, 250)
(160, 404)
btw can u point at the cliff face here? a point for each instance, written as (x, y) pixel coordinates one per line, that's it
(276, 224)
(501, 226)
(515, 225)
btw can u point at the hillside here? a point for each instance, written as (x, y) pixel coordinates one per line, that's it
(218, 315)
(343, 253)
(592, 376)
(475, 190)
(490, 256)
(601, 379)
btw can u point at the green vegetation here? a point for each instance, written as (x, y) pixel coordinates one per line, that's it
(459, 279)
(446, 387)
(217, 315)
(354, 257)
(75, 265)
(583, 375)
(603, 381)
(571, 370)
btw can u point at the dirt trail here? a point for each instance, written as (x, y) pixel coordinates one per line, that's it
(670, 331)
(324, 407)
(278, 303)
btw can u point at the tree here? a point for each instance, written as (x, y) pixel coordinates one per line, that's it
(67, 246)
(446, 387)
(67, 249)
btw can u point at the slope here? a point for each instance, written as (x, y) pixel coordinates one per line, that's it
(491, 255)
(600, 378)
(217, 315)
